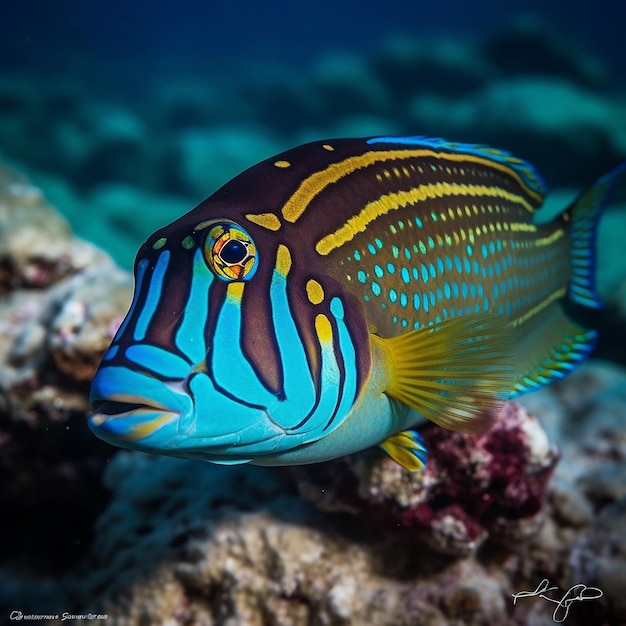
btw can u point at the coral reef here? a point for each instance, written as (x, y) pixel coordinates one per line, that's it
(237, 546)
(473, 487)
(55, 325)
(185, 542)
(599, 557)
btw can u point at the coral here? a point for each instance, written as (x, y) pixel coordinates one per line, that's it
(237, 546)
(599, 560)
(33, 242)
(55, 321)
(472, 488)
(55, 325)
(282, 573)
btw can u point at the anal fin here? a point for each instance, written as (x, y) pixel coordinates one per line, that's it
(550, 346)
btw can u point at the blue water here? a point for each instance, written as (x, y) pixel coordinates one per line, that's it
(112, 107)
(227, 32)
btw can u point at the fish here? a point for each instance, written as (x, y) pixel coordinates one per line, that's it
(334, 297)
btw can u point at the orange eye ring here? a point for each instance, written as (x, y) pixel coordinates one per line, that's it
(230, 252)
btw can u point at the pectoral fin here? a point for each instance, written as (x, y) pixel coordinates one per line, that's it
(456, 373)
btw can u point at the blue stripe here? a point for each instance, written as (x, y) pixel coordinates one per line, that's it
(350, 364)
(157, 360)
(142, 266)
(188, 339)
(229, 367)
(153, 296)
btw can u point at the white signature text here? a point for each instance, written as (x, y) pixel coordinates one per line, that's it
(19, 616)
(576, 593)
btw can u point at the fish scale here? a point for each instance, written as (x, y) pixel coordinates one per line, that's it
(433, 260)
(334, 296)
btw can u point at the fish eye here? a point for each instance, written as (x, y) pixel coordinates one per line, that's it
(233, 252)
(230, 252)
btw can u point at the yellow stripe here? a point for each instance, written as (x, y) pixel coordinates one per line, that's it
(393, 201)
(310, 187)
(234, 292)
(546, 241)
(522, 227)
(555, 295)
(141, 431)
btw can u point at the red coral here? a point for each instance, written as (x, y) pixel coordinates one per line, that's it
(473, 486)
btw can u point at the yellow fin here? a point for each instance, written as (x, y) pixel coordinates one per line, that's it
(456, 373)
(407, 449)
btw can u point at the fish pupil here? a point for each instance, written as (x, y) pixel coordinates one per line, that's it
(233, 252)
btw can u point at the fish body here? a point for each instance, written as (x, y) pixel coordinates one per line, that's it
(331, 297)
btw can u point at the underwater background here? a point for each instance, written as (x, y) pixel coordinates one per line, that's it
(129, 113)
(123, 116)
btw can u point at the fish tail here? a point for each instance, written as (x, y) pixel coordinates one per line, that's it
(563, 336)
(583, 216)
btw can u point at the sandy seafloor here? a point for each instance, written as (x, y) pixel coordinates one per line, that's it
(123, 145)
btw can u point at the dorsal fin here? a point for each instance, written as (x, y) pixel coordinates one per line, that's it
(525, 170)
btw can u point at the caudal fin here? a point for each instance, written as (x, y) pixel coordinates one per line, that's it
(584, 214)
(562, 336)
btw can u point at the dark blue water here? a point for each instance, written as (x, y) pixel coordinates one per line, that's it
(102, 102)
(224, 33)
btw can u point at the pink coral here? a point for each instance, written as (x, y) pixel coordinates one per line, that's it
(473, 487)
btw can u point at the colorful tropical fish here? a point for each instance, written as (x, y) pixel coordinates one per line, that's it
(330, 298)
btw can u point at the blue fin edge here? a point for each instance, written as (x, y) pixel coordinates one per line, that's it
(563, 359)
(525, 170)
(585, 214)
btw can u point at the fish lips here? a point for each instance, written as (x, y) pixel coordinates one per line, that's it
(123, 417)
(137, 426)
(126, 421)
(164, 419)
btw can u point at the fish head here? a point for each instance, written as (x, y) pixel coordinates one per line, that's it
(236, 344)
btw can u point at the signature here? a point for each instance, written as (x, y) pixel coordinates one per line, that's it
(576, 593)
(19, 616)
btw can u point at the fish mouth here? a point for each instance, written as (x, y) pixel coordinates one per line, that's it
(128, 419)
